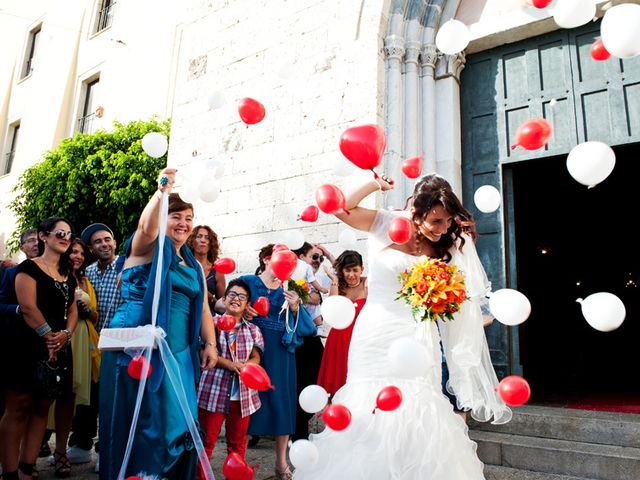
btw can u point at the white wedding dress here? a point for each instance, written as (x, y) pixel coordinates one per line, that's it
(423, 439)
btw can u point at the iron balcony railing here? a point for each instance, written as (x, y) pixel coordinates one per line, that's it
(105, 16)
(85, 124)
(8, 162)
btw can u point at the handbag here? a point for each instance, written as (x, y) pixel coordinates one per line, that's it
(49, 379)
(303, 326)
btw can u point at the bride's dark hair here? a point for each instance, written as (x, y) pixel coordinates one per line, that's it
(433, 190)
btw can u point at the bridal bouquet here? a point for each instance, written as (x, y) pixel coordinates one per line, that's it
(300, 287)
(433, 289)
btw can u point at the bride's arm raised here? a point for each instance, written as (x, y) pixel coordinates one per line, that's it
(359, 217)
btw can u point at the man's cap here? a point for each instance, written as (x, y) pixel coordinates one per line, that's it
(93, 228)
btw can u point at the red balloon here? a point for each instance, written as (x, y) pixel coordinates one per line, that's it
(135, 367)
(330, 199)
(234, 467)
(533, 134)
(283, 264)
(279, 246)
(541, 3)
(133, 477)
(364, 145)
(251, 111)
(336, 417)
(401, 230)
(226, 322)
(254, 376)
(598, 51)
(309, 214)
(412, 167)
(389, 398)
(224, 265)
(261, 305)
(248, 473)
(514, 390)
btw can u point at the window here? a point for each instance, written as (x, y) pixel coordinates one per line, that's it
(88, 112)
(104, 18)
(13, 143)
(32, 47)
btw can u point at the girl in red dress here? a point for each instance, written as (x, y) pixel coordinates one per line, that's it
(349, 282)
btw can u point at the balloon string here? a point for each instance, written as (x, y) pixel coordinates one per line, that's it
(375, 175)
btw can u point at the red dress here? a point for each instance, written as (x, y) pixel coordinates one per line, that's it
(333, 369)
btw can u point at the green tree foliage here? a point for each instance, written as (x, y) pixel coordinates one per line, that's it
(100, 177)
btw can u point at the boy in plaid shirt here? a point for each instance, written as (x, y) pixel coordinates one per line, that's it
(221, 394)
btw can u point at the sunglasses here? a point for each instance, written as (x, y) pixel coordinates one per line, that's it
(240, 296)
(62, 234)
(317, 256)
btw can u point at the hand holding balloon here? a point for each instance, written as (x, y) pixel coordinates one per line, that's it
(166, 179)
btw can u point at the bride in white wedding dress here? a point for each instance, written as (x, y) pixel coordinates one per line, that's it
(423, 439)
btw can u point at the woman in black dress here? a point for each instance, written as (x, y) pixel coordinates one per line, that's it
(46, 295)
(205, 246)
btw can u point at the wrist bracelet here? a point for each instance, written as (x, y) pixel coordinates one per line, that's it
(209, 344)
(43, 329)
(66, 330)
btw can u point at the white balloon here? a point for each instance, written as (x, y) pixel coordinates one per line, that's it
(452, 37)
(573, 13)
(303, 454)
(155, 144)
(509, 306)
(343, 167)
(347, 239)
(338, 311)
(189, 192)
(313, 398)
(620, 30)
(209, 190)
(294, 239)
(603, 311)
(216, 99)
(591, 162)
(408, 358)
(487, 198)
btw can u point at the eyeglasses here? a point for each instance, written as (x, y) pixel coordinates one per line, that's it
(62, 234)
(233, 295)
(202, 236)
(30, 240)
(317, 256)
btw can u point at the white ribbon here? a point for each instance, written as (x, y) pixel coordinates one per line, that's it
(158, 335)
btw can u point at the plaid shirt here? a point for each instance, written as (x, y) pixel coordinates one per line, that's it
(214, 391)
(106, 291)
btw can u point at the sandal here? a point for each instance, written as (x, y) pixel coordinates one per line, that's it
(28, 469)
(62, 465)
(286, 474)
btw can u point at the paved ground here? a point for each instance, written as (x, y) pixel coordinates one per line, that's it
(263, 454)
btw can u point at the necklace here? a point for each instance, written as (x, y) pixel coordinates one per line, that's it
(356, 285)
(49, 270)
(271, 282)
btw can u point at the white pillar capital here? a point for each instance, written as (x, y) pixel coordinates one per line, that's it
(394, 47)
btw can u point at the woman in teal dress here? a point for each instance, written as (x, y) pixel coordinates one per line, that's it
(277, 415)
(162, 445)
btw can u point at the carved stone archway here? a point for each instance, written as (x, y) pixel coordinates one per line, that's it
(422, 96)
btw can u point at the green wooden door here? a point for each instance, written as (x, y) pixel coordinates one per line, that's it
(551, 76)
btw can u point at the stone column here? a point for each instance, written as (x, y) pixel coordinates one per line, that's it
(429, 58)
(448, 119)
(394, 50)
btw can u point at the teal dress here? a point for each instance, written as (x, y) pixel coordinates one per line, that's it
(163, 446)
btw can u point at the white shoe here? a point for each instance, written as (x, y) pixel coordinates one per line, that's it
(96, 469)
(78, 455)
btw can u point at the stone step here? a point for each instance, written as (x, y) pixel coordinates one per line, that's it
(494, 472)
(586, 460)
(619, 429)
